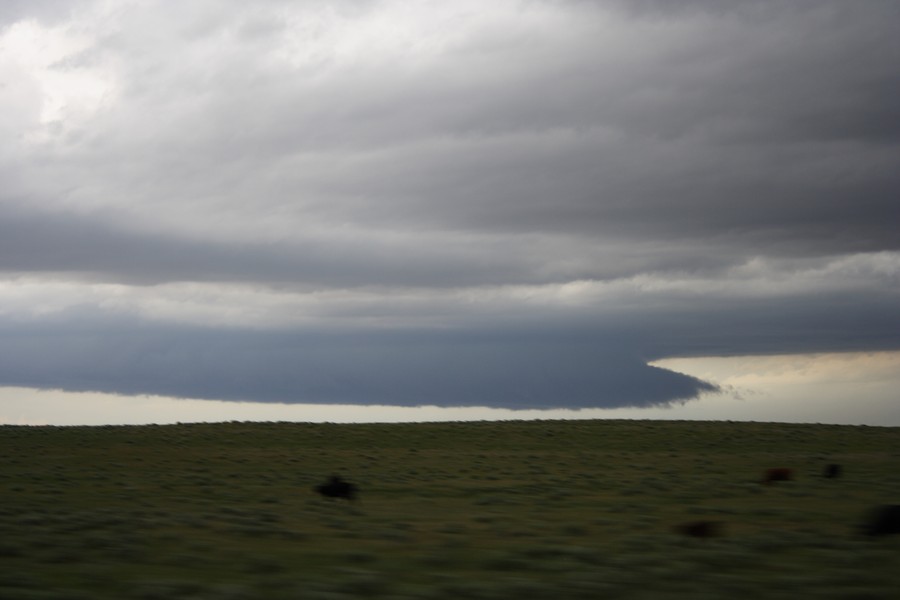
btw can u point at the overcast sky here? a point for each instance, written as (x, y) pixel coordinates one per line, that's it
(511, 204)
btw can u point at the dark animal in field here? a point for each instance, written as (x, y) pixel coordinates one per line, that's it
(882, 520)
(779, 474)
(832, 471)
(701, 529)
(336, 487)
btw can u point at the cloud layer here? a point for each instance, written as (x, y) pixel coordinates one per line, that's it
(513, 205)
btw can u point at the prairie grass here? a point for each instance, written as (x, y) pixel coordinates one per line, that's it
(536, 509)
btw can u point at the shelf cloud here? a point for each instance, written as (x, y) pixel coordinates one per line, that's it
(515, 204)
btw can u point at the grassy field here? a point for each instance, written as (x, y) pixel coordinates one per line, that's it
(493, 510)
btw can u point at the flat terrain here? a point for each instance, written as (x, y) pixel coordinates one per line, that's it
(493, 510)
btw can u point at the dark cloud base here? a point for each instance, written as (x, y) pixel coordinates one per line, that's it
(397, 371)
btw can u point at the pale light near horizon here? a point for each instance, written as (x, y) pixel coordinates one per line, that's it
(510, 206)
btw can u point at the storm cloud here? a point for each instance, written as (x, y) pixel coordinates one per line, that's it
(515, 203)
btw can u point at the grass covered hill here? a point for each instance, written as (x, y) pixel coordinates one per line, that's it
(493, 510)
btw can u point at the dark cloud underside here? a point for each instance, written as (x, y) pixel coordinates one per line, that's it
(396, 370)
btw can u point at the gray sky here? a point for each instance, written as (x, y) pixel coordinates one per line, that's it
(505, 204)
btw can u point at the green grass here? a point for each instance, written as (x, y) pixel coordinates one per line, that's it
(580, 509)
